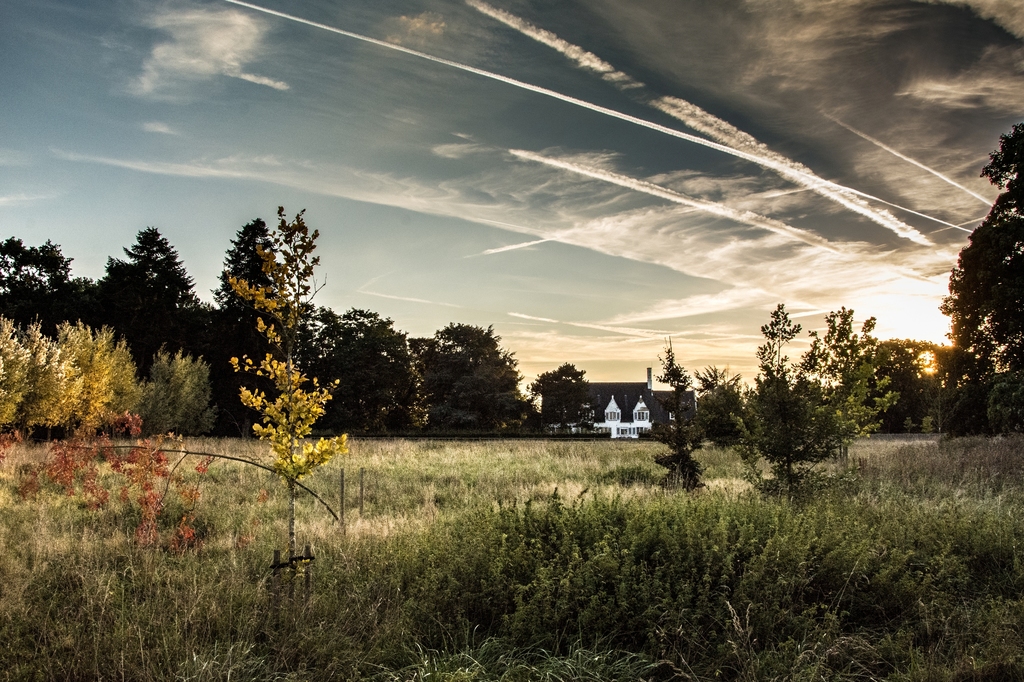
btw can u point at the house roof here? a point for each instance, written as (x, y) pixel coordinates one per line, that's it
(627, 394)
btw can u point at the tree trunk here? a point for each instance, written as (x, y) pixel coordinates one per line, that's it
(291, 518)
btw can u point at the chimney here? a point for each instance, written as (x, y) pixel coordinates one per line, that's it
(650, 380)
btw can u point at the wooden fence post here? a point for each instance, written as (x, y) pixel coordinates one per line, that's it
(362, 472)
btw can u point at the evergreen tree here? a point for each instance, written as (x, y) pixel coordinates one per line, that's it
(682, 435)
(149, 299)
(235, 330)
(789, 423)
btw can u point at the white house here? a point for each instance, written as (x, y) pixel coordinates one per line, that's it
(628, 409)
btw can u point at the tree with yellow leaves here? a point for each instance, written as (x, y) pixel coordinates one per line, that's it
(49, 374)
(14, 363)
(287, 419)
(101, 385)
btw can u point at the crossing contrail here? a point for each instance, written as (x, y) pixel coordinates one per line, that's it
(915, 162)
(883, 218)
(720, 210)
(704, 122)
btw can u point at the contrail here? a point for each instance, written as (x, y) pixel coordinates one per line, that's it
(586, 60)
(883, 218)
(882, 145)
(513, 247)
(406, 298)
(533, 317)
(704, 122)
(720, 210)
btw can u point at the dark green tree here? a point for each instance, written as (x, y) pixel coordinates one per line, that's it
(177, 396)
(986, 288)
(1004, 171)
(962, 404)
(234, 330)
(564, 395)
(720, 405)
(986, 297)
(911, 368)
(469, 380)
(789, 424)
(36, 285)
(683, 434)
(843, 364)
(378, 386)
(243, 261)
(149, 299)
(1006, 403)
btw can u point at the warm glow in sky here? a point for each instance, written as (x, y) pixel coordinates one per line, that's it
(589, 177)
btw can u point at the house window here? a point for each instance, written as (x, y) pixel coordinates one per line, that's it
(642, 416)
(611, 416)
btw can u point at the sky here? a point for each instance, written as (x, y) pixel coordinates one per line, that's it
(591, 178)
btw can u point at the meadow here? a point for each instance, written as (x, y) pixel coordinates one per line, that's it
(531, 560)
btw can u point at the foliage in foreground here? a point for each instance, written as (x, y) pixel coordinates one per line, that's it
(287, 419)
(865, 582)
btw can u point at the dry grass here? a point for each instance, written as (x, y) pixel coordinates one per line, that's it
(76, 589)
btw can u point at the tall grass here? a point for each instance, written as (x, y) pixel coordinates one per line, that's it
(534, 560)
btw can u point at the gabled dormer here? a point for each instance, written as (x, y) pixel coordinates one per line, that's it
(612, 412)
(640, 412)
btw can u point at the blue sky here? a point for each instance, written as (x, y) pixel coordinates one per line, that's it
(589, 177)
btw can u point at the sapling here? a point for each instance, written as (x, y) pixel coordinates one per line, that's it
(287, 419)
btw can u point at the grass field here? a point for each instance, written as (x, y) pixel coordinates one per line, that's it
(523, 560)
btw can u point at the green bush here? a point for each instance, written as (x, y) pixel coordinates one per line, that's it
(177, 396)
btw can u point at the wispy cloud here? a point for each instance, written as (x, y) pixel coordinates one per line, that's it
(1007, 13)
(159, 127)
(458, 150)
(203, 45)
(14, 199)
(189, 170)
(903, 288)
(702, 304)
(419, 30)
(365, 289)
(978, 88)
(409, 299)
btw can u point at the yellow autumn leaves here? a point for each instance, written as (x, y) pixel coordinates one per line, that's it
(83, 379)
(288, 419)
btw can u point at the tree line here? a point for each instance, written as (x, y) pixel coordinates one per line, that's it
(172, 353)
